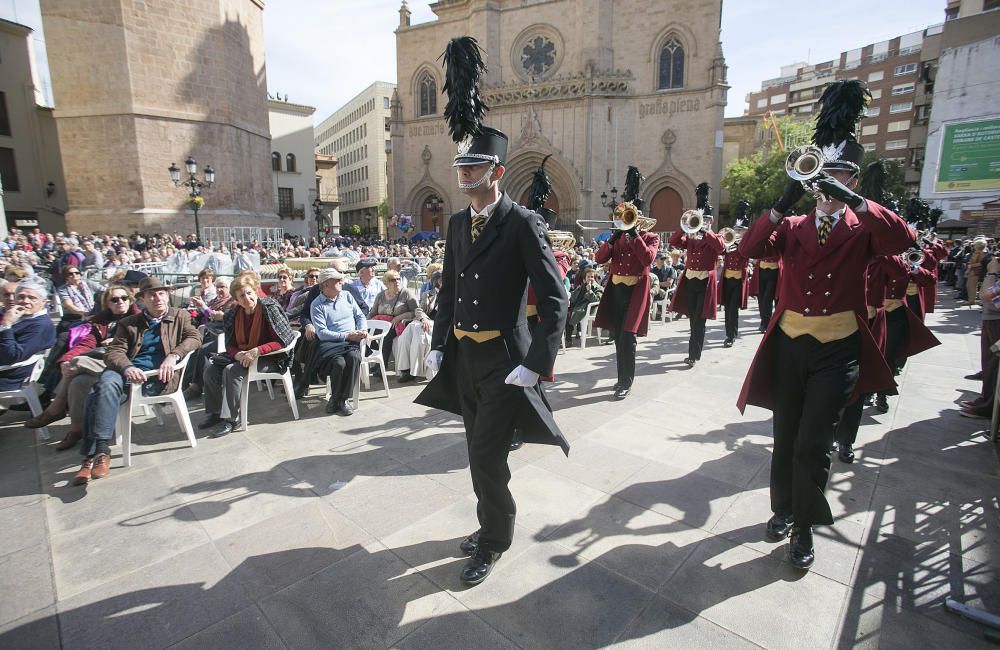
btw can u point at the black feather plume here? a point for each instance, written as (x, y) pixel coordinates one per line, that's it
(872, 184)
(843, 106)
(464, 67)
(632, 181)
(540, 187)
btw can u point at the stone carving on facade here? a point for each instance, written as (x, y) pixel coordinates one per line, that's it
(616, 83)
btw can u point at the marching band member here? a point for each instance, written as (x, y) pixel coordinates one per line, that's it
(906, 335)
(695, 296)
(488, 365)
(624, 306)
(732, 292)
(818, 354)
(934, 252)
(764, 286)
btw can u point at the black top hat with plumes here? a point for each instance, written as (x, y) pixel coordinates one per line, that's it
(633, 179)
(540, 190)
(843, 105)
(464, 68)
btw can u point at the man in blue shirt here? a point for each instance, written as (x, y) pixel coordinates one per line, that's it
(25, 330)
(367, 283)
(340, 327)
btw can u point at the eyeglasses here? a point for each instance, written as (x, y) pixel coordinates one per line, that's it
(72, 273)
(312, 277)
(118, 298)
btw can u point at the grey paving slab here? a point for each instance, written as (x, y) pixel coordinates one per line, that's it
(876, 624)
(23, 525)
(36, 631)
(27, 578)
(462, 629)
(663, 624)
(248, 628)
(593, 464)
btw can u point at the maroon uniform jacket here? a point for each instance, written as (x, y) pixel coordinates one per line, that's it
(875, 293)
(734, 261)
(818, 280)
(933, 254)
(633, 257)
(702, 255)
(754, 283)
(898, 274)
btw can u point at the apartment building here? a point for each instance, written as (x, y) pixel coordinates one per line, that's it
(358, 135)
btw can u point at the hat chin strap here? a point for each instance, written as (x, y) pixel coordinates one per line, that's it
(481, 181)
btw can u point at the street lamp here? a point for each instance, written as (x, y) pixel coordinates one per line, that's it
(318, 212)
(368, 223)
(614, 198)
(194, 185)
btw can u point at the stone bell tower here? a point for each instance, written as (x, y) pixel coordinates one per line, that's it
(139, 85)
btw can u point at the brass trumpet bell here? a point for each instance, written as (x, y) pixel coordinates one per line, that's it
(692, 221)
(730, 238)
(914, 257)
(626, 217)
(805, 163)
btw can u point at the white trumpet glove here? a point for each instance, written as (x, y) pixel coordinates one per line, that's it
(523, 377)
(433, 360)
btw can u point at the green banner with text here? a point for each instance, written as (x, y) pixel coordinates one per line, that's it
(970, 157)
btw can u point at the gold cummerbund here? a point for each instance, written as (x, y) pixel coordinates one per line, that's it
(696, 275)
(831, 327)
(531, 310)
(478, 337)
(912, 289)
(768, 265)
(630, 280)
(871, 312)
(892, 304)
(733, 273)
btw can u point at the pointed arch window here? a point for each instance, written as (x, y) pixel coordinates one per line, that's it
(428, 94)
(275, 161)
(671, 65)
(290, 163)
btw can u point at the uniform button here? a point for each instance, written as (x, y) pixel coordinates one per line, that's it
(475, 326)
(459, 324)
(810, 276)
(476, 276)
(475, 302)
(827, 293)
(460, 300)
(461, 275)
(809, 293)
(806, 310)
(829, 275)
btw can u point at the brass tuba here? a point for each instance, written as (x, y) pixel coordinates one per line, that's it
(562, 240)
(730, 238)
(693, 222)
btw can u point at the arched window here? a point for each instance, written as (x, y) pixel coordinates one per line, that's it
(428, 95)
(290, 162)
(275, 161)
(671, 65)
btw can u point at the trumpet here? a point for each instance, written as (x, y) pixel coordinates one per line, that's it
(805, 165)
(693, 222)
(625, 216)
(914, 257)
(730, 238)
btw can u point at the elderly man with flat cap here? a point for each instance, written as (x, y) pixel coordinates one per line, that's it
(340, 327)
(366, 283)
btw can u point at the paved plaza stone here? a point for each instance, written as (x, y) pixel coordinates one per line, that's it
(334, 532)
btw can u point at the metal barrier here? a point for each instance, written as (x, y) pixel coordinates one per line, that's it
(229, 235)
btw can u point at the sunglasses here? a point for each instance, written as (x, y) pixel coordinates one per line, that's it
(119, 299)
(73, 273)
(313, 277)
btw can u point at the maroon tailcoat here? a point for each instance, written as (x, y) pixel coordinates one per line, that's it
(933, 255)
(899, 274)
(754, 289)
(628, 257)
(818, 280)
(702, 255)
(734, 261)
(875, 293)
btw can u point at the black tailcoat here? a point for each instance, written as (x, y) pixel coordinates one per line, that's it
(484, 287)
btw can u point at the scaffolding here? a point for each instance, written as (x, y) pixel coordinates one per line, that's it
(229, 236)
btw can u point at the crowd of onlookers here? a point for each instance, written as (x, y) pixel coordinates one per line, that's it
(126, 326)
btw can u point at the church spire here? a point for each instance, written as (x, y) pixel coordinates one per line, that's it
(404, 15)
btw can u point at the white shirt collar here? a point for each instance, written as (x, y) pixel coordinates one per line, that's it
(488, 210)
(834, 216)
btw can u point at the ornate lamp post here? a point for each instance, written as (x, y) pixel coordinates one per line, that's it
(194, 185)
(368, 224)
(614, 199)
(433, 206)
(318, 212)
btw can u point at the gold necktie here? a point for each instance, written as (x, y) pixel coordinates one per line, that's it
(825, 226)
(478, 225)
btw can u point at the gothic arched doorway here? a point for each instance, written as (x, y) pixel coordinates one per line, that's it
(552, 203)
(666, 207)
(431, 214)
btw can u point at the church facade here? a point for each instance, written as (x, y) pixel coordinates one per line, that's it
(596, 85)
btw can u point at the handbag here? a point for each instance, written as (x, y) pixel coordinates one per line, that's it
(88, 365)
(219, 359)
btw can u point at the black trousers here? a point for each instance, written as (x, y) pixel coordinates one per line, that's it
(767, 288)
(340, 361)
(850, 421)
(621, 298)
(812, 383)
(732, 300)
(695, 296)
(488, 410)
(913, 302)
(896, 329)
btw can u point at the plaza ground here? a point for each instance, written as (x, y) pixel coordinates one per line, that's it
(343, 532)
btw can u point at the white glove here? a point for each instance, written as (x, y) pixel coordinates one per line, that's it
(433, 360)
(521, 376)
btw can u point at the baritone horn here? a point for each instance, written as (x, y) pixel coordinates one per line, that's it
(562, 240)
(730, 238)
(914, 257)
(805, 165)
(625, 216)
(693, 222)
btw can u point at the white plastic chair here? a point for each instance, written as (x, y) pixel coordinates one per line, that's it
(587, 324)
(30, 388)
(137, 400)
(663, 304)
(377, 330)
(253, 374)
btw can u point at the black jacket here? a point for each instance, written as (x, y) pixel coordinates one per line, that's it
(484, 287)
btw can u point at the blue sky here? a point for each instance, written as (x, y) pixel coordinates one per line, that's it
(323, 52)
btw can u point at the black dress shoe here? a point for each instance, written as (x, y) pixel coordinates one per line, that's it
(846, 453)
(345, 409)
(728, 343)
(405, 377)
(227, 427)
(479, 566)
(778, 527)
(622, 393)
(209, 422)
(881, 404)
(690, 362)
(332, 405)
(869, 399)
(470, 544)
(801, 548)
(762, 329)
(976, 376)
(616, 387)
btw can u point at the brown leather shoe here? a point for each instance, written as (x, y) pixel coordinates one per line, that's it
(70, 441)
(83, 476)
(46, 418)
(102, 466)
